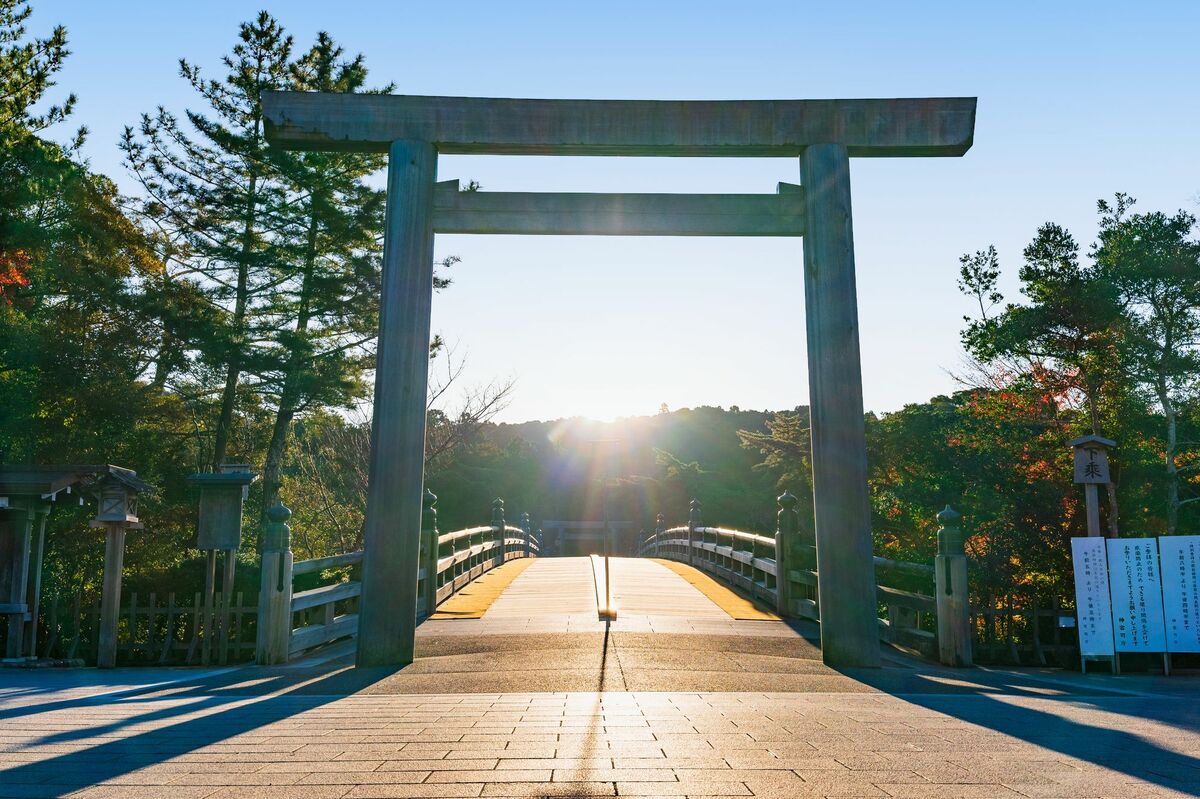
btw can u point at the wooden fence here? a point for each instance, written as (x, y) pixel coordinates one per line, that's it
(151, 630)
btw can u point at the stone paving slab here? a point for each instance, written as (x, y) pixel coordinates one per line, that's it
(215, 739)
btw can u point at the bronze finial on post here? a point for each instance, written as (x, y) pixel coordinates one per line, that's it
(787, 523)
(950, 576)
(694, 521)
(430, 553)
(527, 526)
(275, 589)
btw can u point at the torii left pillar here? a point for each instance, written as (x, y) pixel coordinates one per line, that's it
(392, 538)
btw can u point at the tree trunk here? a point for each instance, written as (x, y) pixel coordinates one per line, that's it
(234, 372)
(288, 399)
(1172, 469)
(277, 450)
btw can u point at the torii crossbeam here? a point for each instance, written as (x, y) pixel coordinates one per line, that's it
(823, 134)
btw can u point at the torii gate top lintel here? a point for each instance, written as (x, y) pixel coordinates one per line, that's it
(935, 126)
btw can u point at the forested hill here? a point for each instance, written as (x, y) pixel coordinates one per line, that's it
(651, 464)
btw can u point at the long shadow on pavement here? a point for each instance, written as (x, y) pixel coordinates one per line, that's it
(982, 699)
(225, 714)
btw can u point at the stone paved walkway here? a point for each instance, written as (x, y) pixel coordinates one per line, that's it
(539, 698)
(246, 733)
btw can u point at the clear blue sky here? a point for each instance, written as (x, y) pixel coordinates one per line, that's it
(1077, 100)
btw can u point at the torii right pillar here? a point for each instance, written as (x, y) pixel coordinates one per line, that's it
(845, 554)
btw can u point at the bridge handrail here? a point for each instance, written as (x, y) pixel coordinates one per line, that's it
(293, 621)
(460, 556)
(751, 562)
(330, 562)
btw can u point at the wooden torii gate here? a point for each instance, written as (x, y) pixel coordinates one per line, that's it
(822, 134)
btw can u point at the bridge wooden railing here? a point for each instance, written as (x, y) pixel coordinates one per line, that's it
(291, 622)
(781, 571)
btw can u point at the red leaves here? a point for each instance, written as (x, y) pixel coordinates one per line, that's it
(13, 272)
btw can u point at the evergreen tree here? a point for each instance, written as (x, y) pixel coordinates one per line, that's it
(218, 197)
(322, 316)
(1153, 262)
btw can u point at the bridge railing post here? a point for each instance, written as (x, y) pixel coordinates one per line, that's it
(275, 590)
(527, 526)
(430, 551)
(950, 577)
(694, 521)
(498, 525)
(660, 523)
(787, 524)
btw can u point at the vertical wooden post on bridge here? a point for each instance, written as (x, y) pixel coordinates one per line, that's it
(527, 526)
(498, 521)
(950, 578)
(660, 524)
(845, 557)
(275, 589)
(786, 529)
(392, 532)
(694, 521)
(429, 546)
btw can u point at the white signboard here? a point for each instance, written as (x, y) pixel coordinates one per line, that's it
(1180, 564)
(1137, 607)
(1091, 596)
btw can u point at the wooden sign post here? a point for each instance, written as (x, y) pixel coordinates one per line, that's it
(221, 498)
(1091, 469)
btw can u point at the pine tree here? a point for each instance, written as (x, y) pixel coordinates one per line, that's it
(323, 310)
(218, 198)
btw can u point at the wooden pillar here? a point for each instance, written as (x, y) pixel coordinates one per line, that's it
(18, 573)
(210, 618)
(786, 525)
(275, 590)
(110, 596)
(845, 566)
(387, 620)
(429, 531)
(527, 526)
(230, 565)
(33, 584)
(953, 603)
(660, 524)
(1092, 498)
(498, 525)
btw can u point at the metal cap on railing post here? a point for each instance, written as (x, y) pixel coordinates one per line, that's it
(953, 603)
(278, 535)
(787, 522)
(527, 526)
(949, 535)
(694, 521)
(429, 546)
(498, 521)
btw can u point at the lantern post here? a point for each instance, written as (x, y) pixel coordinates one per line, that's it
(116, 491)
